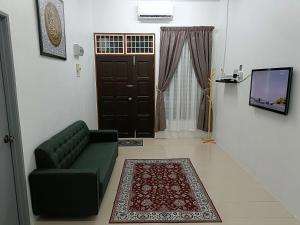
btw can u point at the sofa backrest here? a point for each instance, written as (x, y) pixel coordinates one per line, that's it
(61, 150)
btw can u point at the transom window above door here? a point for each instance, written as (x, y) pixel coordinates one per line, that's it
(109, 44)
(124, 43)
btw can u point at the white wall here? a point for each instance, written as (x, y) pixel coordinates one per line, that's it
(263, 34)
(50, 96)
(121, 16)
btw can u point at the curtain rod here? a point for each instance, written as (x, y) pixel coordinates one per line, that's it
(193, 28)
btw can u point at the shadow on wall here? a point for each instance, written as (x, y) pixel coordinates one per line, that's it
(231, 90)
(270, 116)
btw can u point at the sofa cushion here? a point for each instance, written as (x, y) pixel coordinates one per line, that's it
(61, 150)
(98, 155)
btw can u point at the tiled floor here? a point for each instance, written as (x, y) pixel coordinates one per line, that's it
(238, 197)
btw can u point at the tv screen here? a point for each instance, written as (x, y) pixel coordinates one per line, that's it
(270, 89)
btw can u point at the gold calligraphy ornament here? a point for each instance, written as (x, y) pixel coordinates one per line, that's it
(53, 24)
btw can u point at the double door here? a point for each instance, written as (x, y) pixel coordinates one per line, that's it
(125, 94)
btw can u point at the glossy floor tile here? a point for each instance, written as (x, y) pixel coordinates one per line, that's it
(238, 197)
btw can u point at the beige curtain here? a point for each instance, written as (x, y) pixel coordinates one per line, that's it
(200, 43)
(171, 43)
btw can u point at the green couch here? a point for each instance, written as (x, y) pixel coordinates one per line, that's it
(73, 171)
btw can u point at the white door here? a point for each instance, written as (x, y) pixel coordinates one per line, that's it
(8, 202)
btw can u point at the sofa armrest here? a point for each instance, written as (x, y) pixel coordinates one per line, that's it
(104, 135)
(65, 192)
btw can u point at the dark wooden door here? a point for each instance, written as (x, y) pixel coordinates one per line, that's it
(115, 110)
(144, 79)
(125, 89)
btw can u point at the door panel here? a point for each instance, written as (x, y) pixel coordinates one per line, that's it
(144, 76)
(8, 204)
(114, 106)
(121, 69)
(125, 89)
(144, 126)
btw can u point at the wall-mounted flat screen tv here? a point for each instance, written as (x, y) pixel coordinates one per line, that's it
(270, 89)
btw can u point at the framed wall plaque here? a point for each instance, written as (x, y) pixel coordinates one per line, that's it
(51, 23)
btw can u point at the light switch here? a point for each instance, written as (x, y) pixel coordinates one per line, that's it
(78, 69)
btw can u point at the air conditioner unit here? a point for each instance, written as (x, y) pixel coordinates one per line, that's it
(155, 10)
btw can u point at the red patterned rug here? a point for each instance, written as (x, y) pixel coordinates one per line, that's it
(162, 191)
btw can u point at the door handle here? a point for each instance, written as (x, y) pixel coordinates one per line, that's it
(129, 85)
(8, 139)
(129, 99)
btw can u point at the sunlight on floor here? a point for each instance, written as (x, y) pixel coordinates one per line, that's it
(180, 134)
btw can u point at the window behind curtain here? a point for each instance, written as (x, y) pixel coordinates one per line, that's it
(182, 98)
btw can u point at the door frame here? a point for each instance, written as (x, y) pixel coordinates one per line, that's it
(97, 54)
(13, 119)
